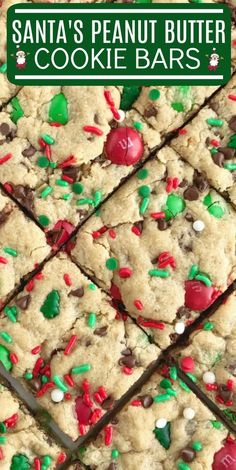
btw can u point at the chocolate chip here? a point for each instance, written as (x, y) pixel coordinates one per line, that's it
(11, 135)
(173, 337)
(96, 119)
(188, 454)
(139, 226)
(23, 302)
(5, 129)
(108, 403)
(227, 152)
(162, 224)
(25, 196)
(112, 466)
(4, 214)
(183, 183)
(35, 384)
(191, 193)
(128, 361)
(224, 392)
(101, 331)
(29, 152)
(126, 352)
(146, 401)
(183, 312)
(189, 217)
(218, 159)
(200, 182)
(232, 123)
(77, 292)
(151, 111)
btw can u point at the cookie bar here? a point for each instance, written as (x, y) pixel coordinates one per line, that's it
(155, 245)
(208, 142)
(22, 444)
(22, 246)
(210, 356)
(165, 427)
(57, 337)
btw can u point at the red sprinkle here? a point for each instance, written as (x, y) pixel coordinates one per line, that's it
(55, 124)
(230, 384)
(136, 403)
(229, 403)
(99, 232)
(61, 458)
(37, 367)
(169, 184)
(11, 422)
(175, 183)
(69, 380)
(136, 231)
(166, 259)
(108, 435)
(48, 152)
(102, 392)
(14, 358)
(211, 387)
(37, 464)
(111, 104)
(1, 454)
(3, 260)
(125, 272)
(112, 233)
(93, 130)
(232, 97)
(67, 279)
(5, 158)
(183, 131)
(138, 304)
(67, 162)
(45, 388)
(42, 143)
(86, 399)
(127, 370)
(30, 285)
(67, 178)
(158, 215)
(95, 416)
(70, 345)
(36, 350)
(8, 187)
(220, 400)
(215, 143)
(151, 323)
(67, 396)
(97, 397)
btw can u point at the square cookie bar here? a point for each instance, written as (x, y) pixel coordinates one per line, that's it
(23, 445)
(22, 246)
(208, 143)
(210, 355)
(164, 427)
(155, 246)
(64, 339)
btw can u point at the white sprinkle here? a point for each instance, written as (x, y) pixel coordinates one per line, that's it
(121, 114)
(57, 395)
(179, 327)
(209, 377)
(161, 423)
(198, 225)
(188, 413)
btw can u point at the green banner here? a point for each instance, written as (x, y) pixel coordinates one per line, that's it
(122, 44)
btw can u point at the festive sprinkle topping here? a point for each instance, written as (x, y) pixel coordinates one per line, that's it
(6, 337)
(44, 220)
(92, 319)
(144, 205)
(5, 159)
(59, 383)
(58, 110)
(17, 111)
(11, 313)
(93, 130)
(51, 305)
(142, 174)
(188, 413)
(162, 432)
(20, 462)
(129, 96)
(179, 107)
(124, 146)
(57, 395)
(48, 139)
(77, 188)
(10, 251)
(48, 190)
(158, 273)
(154, 94)
(215, 122)
(81, 369)
(112, 264)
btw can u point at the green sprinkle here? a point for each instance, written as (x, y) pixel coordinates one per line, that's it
(171, 392)
(20, 462)
(193, 271)
(92, 320)
(44, 220)
(208, 326)
(154, 94)
(214, 151)
(77, 188)
(230, 166)
(42, 162)
(10, 251)
(5, 357)
(59, 383)
(17, 111)
(158, 273)
(3, 440)
(191, 376)
(60, 182)
(129, 96)
(184, 386)
(162, 397)
(196, 445)
(86, 200)
(58, 111)
(179, 107)
(92, 286)
(114, 454)
(216, 424)
(142, 174)
(44, 379)
(183, 466)
(204, 279)
(3, 428)
(66, 197)
(46, 192)
(11, 313)
(144, 191)
(173, 373)
(52, 164)
(28, 375)
(144, 205)
(47, 460)
(215, 122)
(81, 369)
(112, 264)
(3, 68)
(165, 383)
(6, 337)
(97, 198)
(138, 125)
(48, 139)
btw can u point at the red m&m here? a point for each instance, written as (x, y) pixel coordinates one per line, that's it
(124, 146)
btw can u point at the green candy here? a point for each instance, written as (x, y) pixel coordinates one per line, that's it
(58, 111)
(142, 174)
(17, 111)
(129, 96)
(179, 107)
(163, 436)
(5, 357)
(44, 220)
(144, 191)
(112, 264)
(175, 205)
(213, 207)
(51, 305)
(20, 462)
(77, 188)
(154, 94)
(43, 162)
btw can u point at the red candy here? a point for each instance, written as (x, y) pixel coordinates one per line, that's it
(124, 146)
(198, 296)
(187, 364)
(83, 411)
(225, 459)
